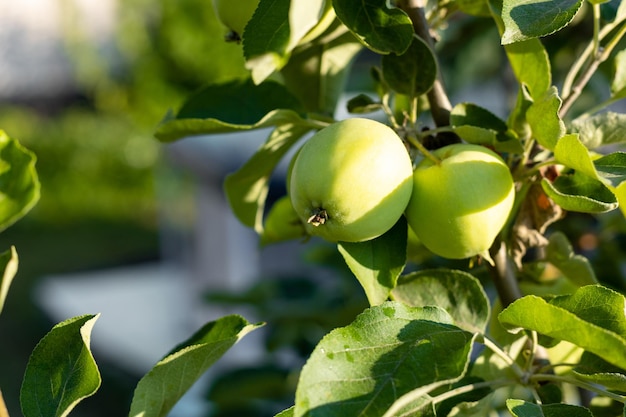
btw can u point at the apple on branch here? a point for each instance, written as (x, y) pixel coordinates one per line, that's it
(460, 203)
(351, 181)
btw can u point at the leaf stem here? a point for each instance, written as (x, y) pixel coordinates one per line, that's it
(496, 383)
(416, 394)
(495, 348)
(428, 154)
(534, 343)
(580, 384)
(596, 28)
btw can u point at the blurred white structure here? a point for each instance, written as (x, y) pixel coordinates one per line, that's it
(33, 63)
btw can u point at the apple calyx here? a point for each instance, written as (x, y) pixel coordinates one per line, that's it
(318, 218)
(232, 36)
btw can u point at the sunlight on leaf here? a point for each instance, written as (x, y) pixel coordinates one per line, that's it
(618, 85)
(380, 28)
(275, 29)
(230, 107)
(8, 265)
(61, 370)
(543, 118)
(607, 128)
(597, 371)
(575, 267)
(377, 263)
(19, 184)
(286, 413)
(160, 389)
(389, 350)
(528, 19)
(247, 188)
(316, 73)
(458, 292)
(571, 152)
(582, 319)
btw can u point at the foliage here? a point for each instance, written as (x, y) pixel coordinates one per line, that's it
(432, 342)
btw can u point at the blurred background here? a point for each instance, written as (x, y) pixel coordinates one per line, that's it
(140, 231)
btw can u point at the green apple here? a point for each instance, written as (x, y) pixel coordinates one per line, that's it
(235, 14)
(459, 205)
(351, 181)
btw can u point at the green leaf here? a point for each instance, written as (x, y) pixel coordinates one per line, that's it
(597, 371)
(61, 370)
(543, 118)
(457, 292)
(378, 263)
(553, 319)
(474, 115)
(389, 350)
(316, 72)
(610, 171)
(479, 126)
(529, 60)
(572, 153)
(19, 185)
(362, 103)
(230, 107)
(274, 30)
(8, 264)
(576, 268)
(266, 38)
(159, 390)
(286, 413)
(601, 129)
(380, 28)
(574, 191)
(247, 188)
(597, 305)
(282, 223)
(500, 142)
(521, 408)
(527, 19)
(612, 168)
(413, 72)
(474, 7)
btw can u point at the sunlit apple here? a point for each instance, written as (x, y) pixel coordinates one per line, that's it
(459, 205)
(235, 14)
(351, 181)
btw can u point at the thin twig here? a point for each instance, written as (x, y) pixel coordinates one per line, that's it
(503, 274)
(440, 106)
(598, 55)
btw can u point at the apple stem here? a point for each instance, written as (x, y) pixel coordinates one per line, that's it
(428, 154)
(318, 218)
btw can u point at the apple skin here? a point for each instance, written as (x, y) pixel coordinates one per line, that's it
(351, 181)
(459, 206)
(235, 14)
